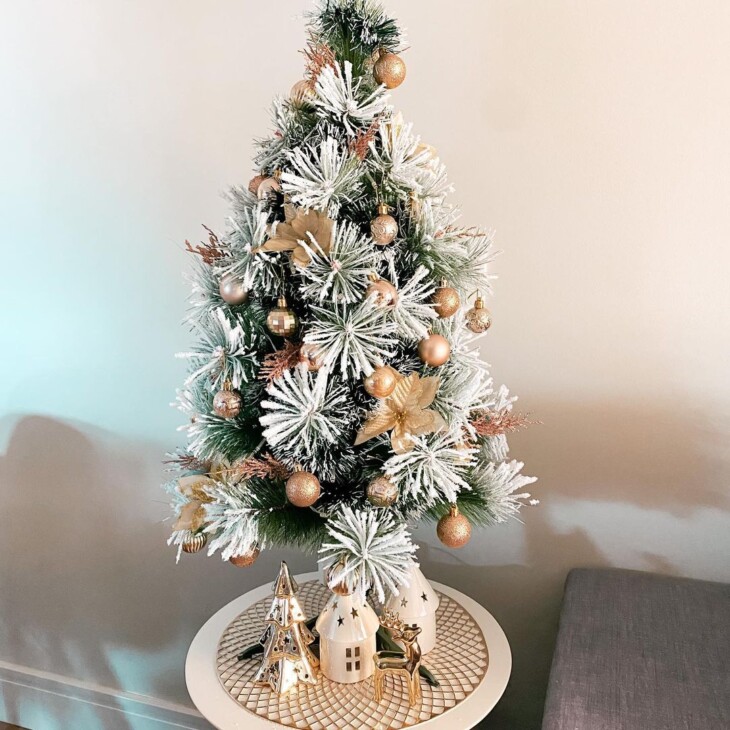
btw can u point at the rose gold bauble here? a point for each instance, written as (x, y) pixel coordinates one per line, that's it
(389, 70)
(232, 290)
(453, 529)
(268, 187)
(384, 228)
(384, 293)
(446, 301)
(434, 351)
(303, 93)
(227, 403)
(479, 318)
(381, 492)
(381, 382)
(303, 489)
(194, 543)
(253, 186)
(281, 320)
(311, 356)
(247, 559)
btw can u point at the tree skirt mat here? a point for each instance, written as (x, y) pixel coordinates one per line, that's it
(459, 662)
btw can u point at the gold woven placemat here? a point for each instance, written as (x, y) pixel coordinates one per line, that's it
(459, 662)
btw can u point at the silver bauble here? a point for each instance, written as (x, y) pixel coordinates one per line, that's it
(232, 290)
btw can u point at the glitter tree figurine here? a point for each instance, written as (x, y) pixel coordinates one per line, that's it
(287, 657)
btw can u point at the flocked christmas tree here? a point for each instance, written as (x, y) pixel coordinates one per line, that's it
(336, 396)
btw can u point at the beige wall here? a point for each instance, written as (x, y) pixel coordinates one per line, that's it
(593, 135)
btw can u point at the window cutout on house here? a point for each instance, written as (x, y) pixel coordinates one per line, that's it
(348, 653)
(349, 666)
(357, 651)
(357, 665)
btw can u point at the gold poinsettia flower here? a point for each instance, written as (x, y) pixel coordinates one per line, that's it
(299, 226)
(192, 514)
(405, 413)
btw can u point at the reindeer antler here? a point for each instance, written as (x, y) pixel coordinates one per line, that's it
(391, 620)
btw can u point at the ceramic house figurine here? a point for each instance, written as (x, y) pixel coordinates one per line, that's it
(347, 629)
(417, 604)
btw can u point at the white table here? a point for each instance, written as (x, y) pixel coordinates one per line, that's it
(222, 711)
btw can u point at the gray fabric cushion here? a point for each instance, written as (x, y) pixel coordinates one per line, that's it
(637, 651)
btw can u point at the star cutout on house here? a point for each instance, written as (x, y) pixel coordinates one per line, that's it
(340, 621)
(354, 613)
(404, 603)
(334, 606)
(425, 597)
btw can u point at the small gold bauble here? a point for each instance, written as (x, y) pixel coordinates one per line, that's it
(383, 292)
(232, 290)
(194, 543)
(384, 228)
(253, 186)
(339, 589)
(227, 403)
(311, 356)
(303, 489)
(303, 93)
(434, 351)
(247, 559)
(381, 382)
(446, 301)
(381, 492)
(269, 186)
(389, 70)
(453, 529)
(281, 320)
(479, 318)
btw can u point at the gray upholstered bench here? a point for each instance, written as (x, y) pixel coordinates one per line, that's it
(637, 651)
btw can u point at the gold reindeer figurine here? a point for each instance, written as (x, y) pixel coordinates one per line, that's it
(405, 663)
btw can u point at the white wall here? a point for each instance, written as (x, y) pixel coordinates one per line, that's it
(594, 136)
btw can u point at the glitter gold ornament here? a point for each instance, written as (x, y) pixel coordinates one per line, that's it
(382, 492)
(303, 93)
(384, 228)
(389, 70)
(232, 290)
(194, 543)
(281, 320)
(445, 300)
(453, 529)
(303, 489)
(227, 403)
(434, 351)
(381, 382)
(269, 186)
(311, 356)
(383, 292)
(253, 186)
(479, 318)
(247, 559)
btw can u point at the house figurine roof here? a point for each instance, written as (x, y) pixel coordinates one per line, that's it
(415, 600)
(346, 619)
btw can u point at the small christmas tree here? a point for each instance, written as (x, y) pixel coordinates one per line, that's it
(287, 657)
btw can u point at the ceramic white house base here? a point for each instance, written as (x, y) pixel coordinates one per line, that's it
(347, 627)
(417, 604)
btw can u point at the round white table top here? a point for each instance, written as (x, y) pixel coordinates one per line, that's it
(222, 711)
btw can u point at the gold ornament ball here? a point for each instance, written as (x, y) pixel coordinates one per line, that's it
(303, 93)
(303, 489)
(384, 293)
(253, 186)
(390, 70)
(434, 351)
(479, 318)
(194, 543)
(227, 403)
(453, 529)
(267, 187)
(281, 320)
(384, 228)
(311, 356)
(339, 589)
(247, 559)
(381, 492)
(232, 290)
(446, 301)
(381, 382)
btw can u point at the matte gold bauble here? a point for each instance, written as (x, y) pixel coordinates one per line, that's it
(269, 186)
(381, 382)
(227, 403)
(303, 93)
(453, 529)
(311, 356)
(479, 318)
(253, 186)
(383, 292)
(194, 543)
(281, 320)
(446, 301)
(232, 290)
(381, 492)
(303, 489)
(389, 70)
(434, 351)
(247, 559)
(384, 228)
